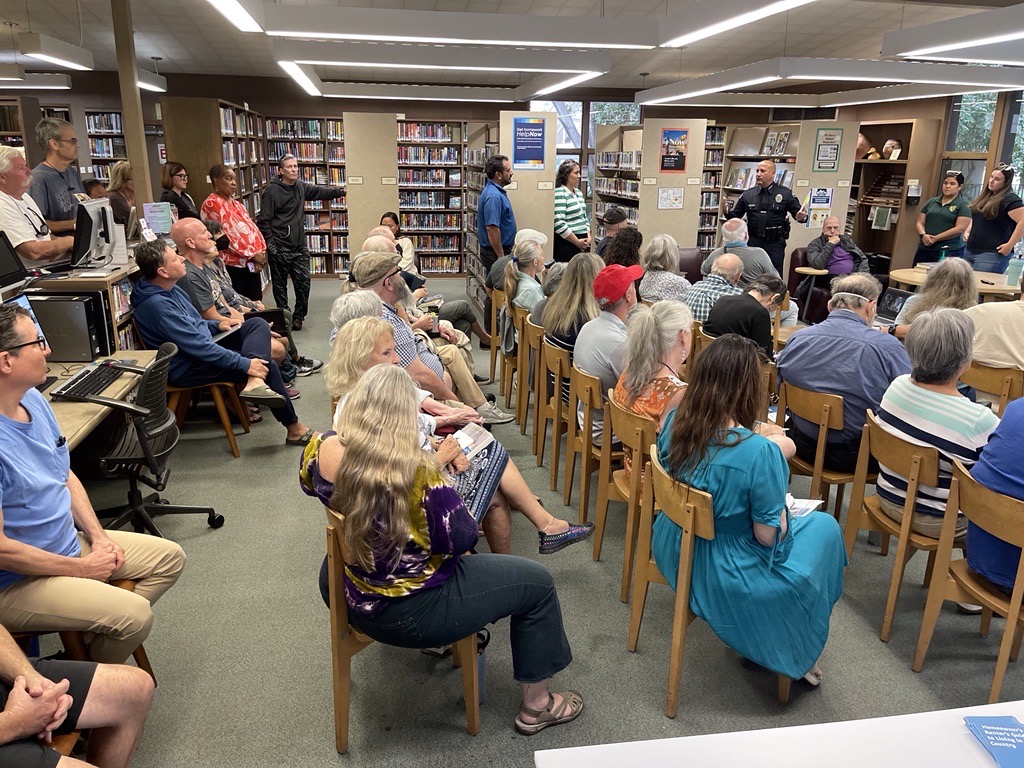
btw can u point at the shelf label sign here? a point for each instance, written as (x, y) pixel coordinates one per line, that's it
(528, 135)
(826, 151)
(673, 150)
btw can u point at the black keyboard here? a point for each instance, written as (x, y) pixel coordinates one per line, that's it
(90, 381)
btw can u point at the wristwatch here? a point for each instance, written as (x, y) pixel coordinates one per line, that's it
(892, 329)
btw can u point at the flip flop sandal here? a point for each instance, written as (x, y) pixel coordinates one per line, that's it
(263, 395)
(566, 712)
(304, 440)
(255, 417)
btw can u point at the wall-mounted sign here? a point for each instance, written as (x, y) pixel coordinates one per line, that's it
(528, 143)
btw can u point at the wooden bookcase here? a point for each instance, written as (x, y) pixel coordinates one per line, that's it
(481, 141)
(18, 118)
(711, 187)
(107, 143)
(618, 153)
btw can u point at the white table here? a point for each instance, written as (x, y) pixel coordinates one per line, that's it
(925, 740)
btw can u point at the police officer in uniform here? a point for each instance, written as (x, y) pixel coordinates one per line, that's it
(767, 206)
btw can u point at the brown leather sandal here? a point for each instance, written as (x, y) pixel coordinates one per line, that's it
(566, 712)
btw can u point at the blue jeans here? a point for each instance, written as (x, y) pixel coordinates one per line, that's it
(483, 589)
(989, 261)
(928, 255)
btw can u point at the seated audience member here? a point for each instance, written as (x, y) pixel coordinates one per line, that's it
(950, 283)
(51, 697)
(95, 189)
(926, 408)
(767, 582)
(495, 277)
(601, 344)
(121, 191)
(998, 469)
(661, 271)
(408, 262)
(163, 312)
(657, 345)
(377, 272)
(520, 282)
(174, 180)
(52, 576)
(20, 217)
(756, 262)
(350, 306)
(407, 582)
(998, 331)
(723, 281)
(571, 306)
(245, 253)
(489, 483)
(749, 314)
(843, 355)
(614, 220)
(552, 279)
(835, 251)
(624, 248)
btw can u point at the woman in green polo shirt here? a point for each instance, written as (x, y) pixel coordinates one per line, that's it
(943, 221)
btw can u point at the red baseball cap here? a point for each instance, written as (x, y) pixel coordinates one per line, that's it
(613, 281)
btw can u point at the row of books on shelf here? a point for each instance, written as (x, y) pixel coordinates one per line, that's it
(438, 243)
(121, 294)
(601, 208)
(476, 180)
(252, 178)
(479, 156)
(472, 200)
(108, 148)
(451, 264)
(707, 221)
(317, 243)
(127, 338)
(424, 199)
(711, 179)
(336, 176)
(101, 171)
(472, 247)
(709, 200)
(629, 188)
(336, 153)
(435, 177)
(328, 265)
(706, 241)
(624, 161)
(435, 132)
(281, 128)
(227, 121)
(714, 156)
(413, 155)
(313, 175)
(714, 134)
(337, 203)
(775, 143)
(470, 221)
(744, 177)
(305, 151)
(337, 221)
(103, 122)
(239, 124)
(430, 221)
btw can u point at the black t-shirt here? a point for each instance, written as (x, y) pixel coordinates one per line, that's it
(742, 314)
(989, 234)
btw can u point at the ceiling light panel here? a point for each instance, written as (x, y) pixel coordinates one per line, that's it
(55, 51)
(246, 15)
(151, 81)
(707, 19)
(35, 82)
(404, 92)
(999, 25)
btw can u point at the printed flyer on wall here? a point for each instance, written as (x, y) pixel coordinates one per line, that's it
(673, 150)
(528, 143)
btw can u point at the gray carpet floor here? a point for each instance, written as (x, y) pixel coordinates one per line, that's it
(241, 645)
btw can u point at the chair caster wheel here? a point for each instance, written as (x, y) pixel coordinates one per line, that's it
(215, 520)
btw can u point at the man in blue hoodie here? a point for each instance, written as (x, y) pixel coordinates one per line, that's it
(281, 220)
(163, 312)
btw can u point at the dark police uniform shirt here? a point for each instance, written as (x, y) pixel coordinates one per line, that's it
(767, 212)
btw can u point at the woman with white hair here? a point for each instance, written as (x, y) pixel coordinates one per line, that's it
(521, 273)
(661, 279)
(926, 408)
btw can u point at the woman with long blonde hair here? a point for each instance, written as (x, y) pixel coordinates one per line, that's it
(121, 191)
(950, 283)
(997, 222)
(407, 580)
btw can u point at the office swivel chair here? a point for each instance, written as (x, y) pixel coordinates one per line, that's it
(144, 444)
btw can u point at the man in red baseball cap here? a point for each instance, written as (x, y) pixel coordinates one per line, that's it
(600, 346)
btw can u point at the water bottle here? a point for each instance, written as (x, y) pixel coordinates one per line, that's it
(1013, 270)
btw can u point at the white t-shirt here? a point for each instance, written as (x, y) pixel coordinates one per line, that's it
(21, 219)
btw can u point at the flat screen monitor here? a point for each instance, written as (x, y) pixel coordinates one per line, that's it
(94, 233)
(159, 216)
(22, 301)
(12, 271)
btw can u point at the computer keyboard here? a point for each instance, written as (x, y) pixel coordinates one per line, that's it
(90, 381)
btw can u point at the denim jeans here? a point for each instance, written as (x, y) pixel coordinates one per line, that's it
(989, 261)
(483, 589)
(925, 255)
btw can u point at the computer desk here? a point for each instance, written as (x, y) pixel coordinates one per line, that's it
(78, 420)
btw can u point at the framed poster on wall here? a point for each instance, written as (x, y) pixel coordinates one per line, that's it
(528, 134)
(673, 150)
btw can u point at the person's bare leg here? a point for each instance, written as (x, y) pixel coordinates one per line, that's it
(70, 762)
(297, 430)
(520, 497)
(497, 525)
(536, 696)
(479, 332)
(116, 710)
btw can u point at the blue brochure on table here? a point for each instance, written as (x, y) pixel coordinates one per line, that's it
(1002, 737)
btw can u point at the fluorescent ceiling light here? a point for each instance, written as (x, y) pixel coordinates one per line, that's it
(906, 92)
(410, 56)
(36, 82)
(55, 51)
(1005, 54)
(999, 25)
(243, 14)
(304, 76)
(714, 18)
(747, 76)
(493, 30)
(765, 100)
(567, 83)
(151, 81)
(12, 72)
(404, 92)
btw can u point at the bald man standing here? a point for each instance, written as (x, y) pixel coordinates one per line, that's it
(767, 206)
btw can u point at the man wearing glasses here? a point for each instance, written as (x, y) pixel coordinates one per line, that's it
(56, 180)
(20, 217)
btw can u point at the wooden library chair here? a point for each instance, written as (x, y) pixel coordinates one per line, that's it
(555, 410)
(826, 411)
(920, 465)
(346, 642)
(497, 304)
(535, 352)
(585, 391)
(636, 434)
(999, 515)
(700, 341)
(223, 393)
(779, 338)
(691, 510)
(519, 318)
(509, 369)
(1006, 383)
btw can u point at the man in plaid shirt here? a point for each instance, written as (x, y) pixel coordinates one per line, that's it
(723, 281)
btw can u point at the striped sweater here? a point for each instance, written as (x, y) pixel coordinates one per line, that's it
(570, 212)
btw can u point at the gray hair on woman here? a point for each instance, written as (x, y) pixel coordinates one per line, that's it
(661, 255)
(522, 257)
(553, 277)
(950, 283)
(652, 332)
(353, 305)
(940, 345)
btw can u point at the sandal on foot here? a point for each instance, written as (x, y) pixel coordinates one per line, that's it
(255, 417)
(303, 440)
(263, 395)
(554, 542)
(812, 679)
(566, 712)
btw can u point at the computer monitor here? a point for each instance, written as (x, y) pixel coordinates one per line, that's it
(160, 217)
(12, 271)
(131, 230)
(22, 301)
(94, 233)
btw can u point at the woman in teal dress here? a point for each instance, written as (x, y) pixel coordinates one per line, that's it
(767, 582)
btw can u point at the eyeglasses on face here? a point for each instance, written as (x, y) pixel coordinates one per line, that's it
(39, 342)
(73, 141)
(181, 175)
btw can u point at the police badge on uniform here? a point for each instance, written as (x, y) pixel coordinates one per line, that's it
(778, 198)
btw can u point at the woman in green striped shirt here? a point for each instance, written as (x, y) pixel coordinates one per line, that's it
(572, 223)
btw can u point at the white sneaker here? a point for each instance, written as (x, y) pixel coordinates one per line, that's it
(491, 414)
